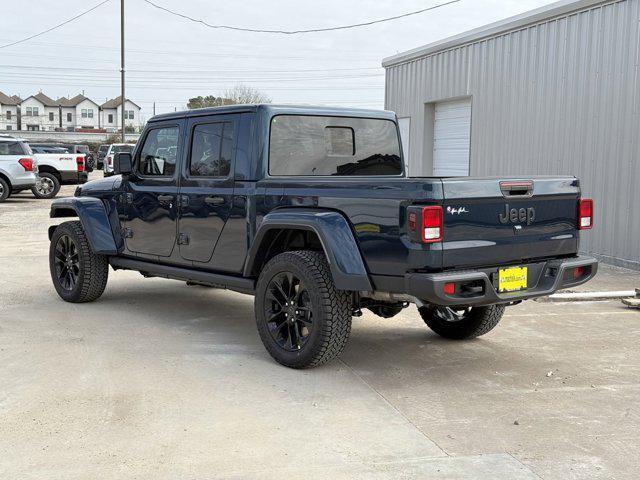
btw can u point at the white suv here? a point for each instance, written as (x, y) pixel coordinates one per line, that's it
(18, 169)
(111, 153)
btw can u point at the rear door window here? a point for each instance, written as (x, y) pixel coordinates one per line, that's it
(341, 146)
(212, 150)
(14, 148)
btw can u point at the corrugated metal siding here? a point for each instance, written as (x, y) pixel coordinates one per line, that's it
(558, 97)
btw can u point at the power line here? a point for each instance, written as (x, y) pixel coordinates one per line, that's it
(57, 26)
(192, 78)
(186, 54)
(193, 87)
(104, 43)
(190, 71)
(295, 32)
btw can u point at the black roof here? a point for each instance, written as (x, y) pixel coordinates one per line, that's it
(279, 109)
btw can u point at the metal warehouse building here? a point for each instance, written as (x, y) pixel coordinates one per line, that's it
(552, 91)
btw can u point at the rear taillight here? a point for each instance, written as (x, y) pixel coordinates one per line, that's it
(80, 162)
(585, 214)
(27, 164)
(432, 224)
(109, 160)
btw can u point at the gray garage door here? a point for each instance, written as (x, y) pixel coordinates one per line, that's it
(451, 138)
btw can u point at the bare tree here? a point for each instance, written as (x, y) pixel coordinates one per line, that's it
(240, 94)
(244, 94)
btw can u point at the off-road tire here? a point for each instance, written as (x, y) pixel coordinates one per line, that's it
(56, 186)
(5, 190)
(93, 268)
(331, 309)
(473, 323)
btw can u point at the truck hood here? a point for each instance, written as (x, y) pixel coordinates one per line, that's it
(100, 185)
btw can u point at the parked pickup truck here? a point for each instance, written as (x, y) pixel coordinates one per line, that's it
(56, 169)
(310, 210)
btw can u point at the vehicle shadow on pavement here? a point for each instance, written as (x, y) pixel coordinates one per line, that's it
(402, 347)
(174, 303)
(23, 199)
(402, 354)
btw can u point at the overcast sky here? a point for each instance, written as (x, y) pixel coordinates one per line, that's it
(170, 59)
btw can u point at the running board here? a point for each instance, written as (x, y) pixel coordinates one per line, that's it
(238, 284)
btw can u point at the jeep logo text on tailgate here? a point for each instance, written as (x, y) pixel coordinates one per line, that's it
(515, 215)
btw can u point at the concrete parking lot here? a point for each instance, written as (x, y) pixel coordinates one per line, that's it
(161, 380)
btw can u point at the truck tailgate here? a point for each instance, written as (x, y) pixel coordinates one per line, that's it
(502, 221)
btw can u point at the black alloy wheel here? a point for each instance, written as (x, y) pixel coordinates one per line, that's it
(67, 262)
(79, 275)
(461, 323)
(288, 311)
(448, 314)
(303, 320)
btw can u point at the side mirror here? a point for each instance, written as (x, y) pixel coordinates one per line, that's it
(122, 163)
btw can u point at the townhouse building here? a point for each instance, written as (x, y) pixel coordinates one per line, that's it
(111, 114)
(9, 112)
(41, 112)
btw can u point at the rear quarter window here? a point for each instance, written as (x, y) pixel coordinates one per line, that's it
(302, 145)
(14, 148)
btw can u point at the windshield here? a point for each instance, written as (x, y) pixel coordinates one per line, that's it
(122, 148)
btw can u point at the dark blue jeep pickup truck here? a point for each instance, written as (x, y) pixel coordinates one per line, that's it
(310, 210)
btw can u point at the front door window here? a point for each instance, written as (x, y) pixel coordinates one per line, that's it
(159, 153)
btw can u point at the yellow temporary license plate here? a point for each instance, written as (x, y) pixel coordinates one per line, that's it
(512, 279)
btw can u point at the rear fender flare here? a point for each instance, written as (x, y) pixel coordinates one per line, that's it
(98, 219)
(340, 247)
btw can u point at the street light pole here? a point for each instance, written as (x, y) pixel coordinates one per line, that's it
(122, 66)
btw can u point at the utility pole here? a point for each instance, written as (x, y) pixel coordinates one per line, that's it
(122, 65)
(154, 109)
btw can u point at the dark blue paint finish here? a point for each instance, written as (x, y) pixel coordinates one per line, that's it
(99, 187)
(94, 216)
(477, 237)
(376, 211)
(152, 212)
(334, 232)
(201, 220)
(361, 221)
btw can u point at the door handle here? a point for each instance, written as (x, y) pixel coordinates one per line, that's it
(165, 198)
(214, 201)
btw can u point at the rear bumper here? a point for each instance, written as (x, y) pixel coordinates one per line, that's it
(479, 287)
(73, 178)
(23, 181)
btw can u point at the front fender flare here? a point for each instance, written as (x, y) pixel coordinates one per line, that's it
(339, 245)
(94, 216)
